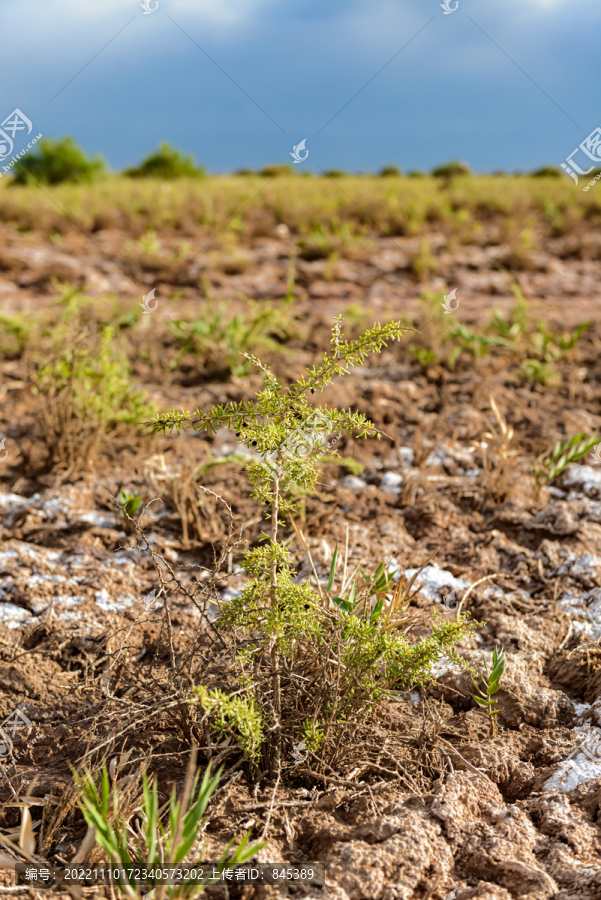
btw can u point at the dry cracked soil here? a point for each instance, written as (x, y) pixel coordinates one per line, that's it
(428, 805)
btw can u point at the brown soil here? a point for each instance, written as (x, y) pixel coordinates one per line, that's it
(428, 803)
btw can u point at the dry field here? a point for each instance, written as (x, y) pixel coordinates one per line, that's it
(418, 799)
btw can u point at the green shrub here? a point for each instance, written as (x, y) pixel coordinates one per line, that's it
(451, 169)
(548, 172)
(334, 654)
(166, 163)
(272, 171)
(87, 395)
(56, 161)
(390, 172)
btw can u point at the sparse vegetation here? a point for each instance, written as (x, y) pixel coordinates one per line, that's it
(531, 345)
(536, 347)
(236, 717)
(149, 607)
(130, 504)
(150, 845)
(16, 335)
(85, 397)
(415, 203)
(555, 460)
(219, 340)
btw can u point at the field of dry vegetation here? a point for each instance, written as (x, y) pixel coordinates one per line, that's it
(123, 549)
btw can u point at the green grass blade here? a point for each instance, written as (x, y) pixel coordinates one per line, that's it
(332, 570)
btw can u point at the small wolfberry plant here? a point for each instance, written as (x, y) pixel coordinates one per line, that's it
(316, 661)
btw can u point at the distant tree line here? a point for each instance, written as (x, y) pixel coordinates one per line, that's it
(56, 161)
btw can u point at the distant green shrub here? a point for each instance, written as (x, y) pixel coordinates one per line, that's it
(272, 170)
(390, 172)
(56, 161)
(451, 169)
(166, 163)
(334, 173)
(547, 172)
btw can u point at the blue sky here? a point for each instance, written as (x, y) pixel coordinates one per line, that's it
(454, 91)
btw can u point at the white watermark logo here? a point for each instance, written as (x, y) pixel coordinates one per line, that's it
(450, 601)
(152, 600)
(303, 441)
(17, 121)
(146, 307)
(16, 722)
(448, 8)
(448, 302)
(148, 8)
(595, 454)
(591, 183)
(12, 125)
(296, 155)
(297, 754)
(3, 451)
(591, 150)
(16, 158)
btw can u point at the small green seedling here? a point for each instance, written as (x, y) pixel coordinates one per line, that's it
(476, 344)
(130, 503)
(553, 462)
(540, 372)
(492, 683)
